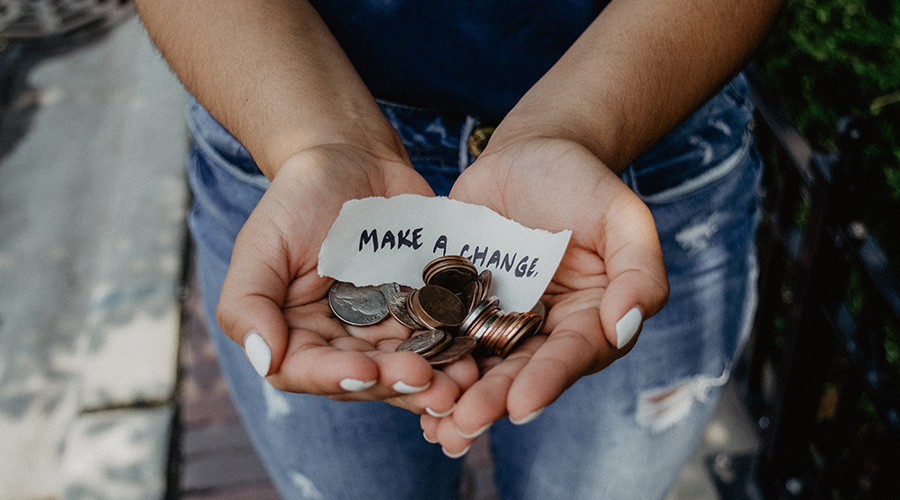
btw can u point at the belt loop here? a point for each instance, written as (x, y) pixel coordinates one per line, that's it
(467, 128)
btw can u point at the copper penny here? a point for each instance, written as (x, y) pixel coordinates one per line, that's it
(459, 348)
(437, 307)
(454, 279)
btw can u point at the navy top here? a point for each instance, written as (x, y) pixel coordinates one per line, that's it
(455, 56)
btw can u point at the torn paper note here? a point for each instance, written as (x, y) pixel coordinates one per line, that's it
(383, 240)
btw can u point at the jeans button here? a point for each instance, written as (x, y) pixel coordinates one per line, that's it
(479, 140)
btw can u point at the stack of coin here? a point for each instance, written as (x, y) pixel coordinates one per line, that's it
(453, 308)
(498, 332)
(452, 272)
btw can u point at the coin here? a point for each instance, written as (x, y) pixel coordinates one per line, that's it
(459, 348)
(424, 342)
(358, 306)
(485, 278)
(454, 301)
(389, 289)
(452, 272)
(529, 325)
(440, 346)
(453, 279)
(541, 310)
(436, 307)
(397, 305)
(472, 295)
(482, 309)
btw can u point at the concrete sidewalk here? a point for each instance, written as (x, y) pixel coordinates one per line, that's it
(92, 204)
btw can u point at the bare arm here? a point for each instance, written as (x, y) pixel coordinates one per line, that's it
(272, 73)
(639, 69)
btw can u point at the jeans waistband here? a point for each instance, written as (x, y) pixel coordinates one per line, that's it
(440, 141)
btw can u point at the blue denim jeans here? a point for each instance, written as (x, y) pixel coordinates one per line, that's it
(621, 433)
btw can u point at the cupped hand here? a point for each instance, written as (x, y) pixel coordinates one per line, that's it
(610, 279)
(274, 303)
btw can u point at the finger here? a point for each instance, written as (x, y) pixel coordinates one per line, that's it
(439, 400)
(485, 402)
(429, 424)
(638, 286)
(386, 329)
(313, 365)
(249, 309)
(576, 347)
(452, 441)
(464, 372)
(349, 368)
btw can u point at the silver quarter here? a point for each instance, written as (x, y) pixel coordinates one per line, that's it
(357, 305)
(389, 289)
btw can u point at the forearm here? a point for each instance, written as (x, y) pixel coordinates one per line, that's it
(640, 68)
(271, 73)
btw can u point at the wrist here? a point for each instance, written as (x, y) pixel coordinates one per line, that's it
(347, 132)
(555, 119)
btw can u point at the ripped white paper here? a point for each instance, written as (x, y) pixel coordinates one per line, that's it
(382, 240)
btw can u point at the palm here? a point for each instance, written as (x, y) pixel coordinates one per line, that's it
(273, 284)
(613, 263)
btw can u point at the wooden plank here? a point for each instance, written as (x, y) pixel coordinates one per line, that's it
(227, 437)
(222, 471)
(217, 460)
(260, 491)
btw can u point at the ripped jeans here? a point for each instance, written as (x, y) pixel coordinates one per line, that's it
(622, 433)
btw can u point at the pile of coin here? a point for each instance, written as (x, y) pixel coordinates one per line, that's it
(453, 315)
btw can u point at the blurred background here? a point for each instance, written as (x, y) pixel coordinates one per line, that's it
(109, 389)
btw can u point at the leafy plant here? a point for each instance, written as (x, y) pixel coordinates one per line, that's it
(829, 59)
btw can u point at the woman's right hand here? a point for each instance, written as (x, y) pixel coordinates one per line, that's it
(275, 304)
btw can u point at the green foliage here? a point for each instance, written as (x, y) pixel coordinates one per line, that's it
(829, 59)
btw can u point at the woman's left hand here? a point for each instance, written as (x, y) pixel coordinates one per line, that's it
(610, 279)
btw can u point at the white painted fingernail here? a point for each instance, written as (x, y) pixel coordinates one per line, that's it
(404, 388)
(353, 385)
(528, 418)
(258, 353)
(476, 433)
(456, 455)
(439, 415)
(428, 439)
(628, 326)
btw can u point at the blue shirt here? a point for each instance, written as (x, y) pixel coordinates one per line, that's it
(467, 57)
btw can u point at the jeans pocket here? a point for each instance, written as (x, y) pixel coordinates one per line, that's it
(221, 149)
(691, 184)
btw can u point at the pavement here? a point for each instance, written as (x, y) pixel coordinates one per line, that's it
(93, 198)
(92, 238)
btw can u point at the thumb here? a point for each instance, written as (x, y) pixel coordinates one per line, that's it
(249, 309)
(638, 286)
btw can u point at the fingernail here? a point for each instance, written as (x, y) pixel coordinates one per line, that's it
(528, 418)
(456, 455)
(476, 433)
(628, 326)
(353, 385)
(405, 388)
(439, 415)
(258, 353)
(429, 439)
